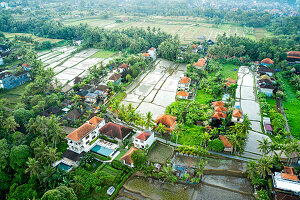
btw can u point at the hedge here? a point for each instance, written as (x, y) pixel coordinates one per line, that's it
(120, 186)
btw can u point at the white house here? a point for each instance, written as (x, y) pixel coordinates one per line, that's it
(78, 140)
(182, 95)
(184, 84)
(237, 116)
(91, 98)
(143, 139)
(152, 53)
(286, 181)
(266, 89)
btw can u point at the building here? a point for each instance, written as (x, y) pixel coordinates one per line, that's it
(127, 157)
(286, 182)
(184, 84)
(229, 82)
(219, 115)
(4, 5)
(73, 115)
(116, 78)
(143, 140)
(152, 53)
(227, 145)
(9, 80)
(267, 62)
(265, 70)
(201, 64)
(115, 131)
(220, 109)
(147, 55)
(266, 89)
(183, 95)
(237, 116)
(123, 67)
(218, 103)
(293, 56)
(167, 120)
(91, 98)
(87, 88)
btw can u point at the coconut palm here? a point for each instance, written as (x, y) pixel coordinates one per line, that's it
(234, 141)
(206, 137)
(148, 120)
(264, 165)
(167, 173)
(264, 146)
(290, 148)
(10, 125)
(33, 167)
(251, 169)
(160, 128)
(52, 155)
(178, 130)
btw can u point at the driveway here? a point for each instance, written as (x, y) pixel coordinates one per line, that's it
(249, 104)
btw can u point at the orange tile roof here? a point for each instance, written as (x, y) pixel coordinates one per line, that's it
(293, 54)
(219, 115)
(182, 93)
(220, 109)
(289, 170)
(218, 103)
(95, 120)
(200, 63)
(26, 65)
(225, 141)
(267, 61)
(185, 80)
(127, 155)
(143, 136)
(146, 54)
(237, 113)
(228, 84)
(166, 120)
(152, 48)
(82, 131)
(124, 66)
(230, 80)
(290, 176)
(194, 46)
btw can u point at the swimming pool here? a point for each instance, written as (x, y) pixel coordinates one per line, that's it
(102, 150)
(64, 167)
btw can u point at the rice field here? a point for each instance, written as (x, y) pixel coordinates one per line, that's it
(35, 38)
(187, 28)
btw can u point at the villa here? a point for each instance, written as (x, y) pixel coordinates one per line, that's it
(265, 70)
(201, 64)
(127, 157)
(267, 62)
(167, 120)
(143, 140)
(237, 116)
(116, 78)
(227, 145)
(218, 103)
(91, 98)
(152, 53)
(184, 84)
(123, 67)
(115, 131)
(183, 95)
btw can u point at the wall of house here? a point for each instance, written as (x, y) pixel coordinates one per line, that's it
(12, 81)
(268, 92)
(183, 86)
(83, 144)
(142, 144)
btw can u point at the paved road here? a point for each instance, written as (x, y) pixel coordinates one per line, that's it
(246, 94)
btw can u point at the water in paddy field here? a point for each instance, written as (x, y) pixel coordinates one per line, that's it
(212, 187)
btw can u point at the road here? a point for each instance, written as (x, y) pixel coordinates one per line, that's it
(247, 96)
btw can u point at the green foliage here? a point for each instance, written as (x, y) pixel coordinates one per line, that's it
(263, 195)
(22, 116)
(60, 193)
(139, 159)
(18, 157)
(4, 154)
(216, 145)
(22, 192)
(169, 49)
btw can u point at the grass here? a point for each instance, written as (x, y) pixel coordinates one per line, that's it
(203, 97)
(121, 96)
(104, 54)
(122, 152)
(291, 106)
(13, 95)
(191, 135)
(35, 38)
(160, 153)
(228, 71)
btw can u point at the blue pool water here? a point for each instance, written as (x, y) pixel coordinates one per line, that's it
(102, 150)
(64, 167)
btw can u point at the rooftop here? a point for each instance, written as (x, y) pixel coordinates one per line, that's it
(220, 109)
(95, 120)
(225, 141)
(201, 63)
(115, 77)
(267, 61)
(285, 183)
(219, 115)
(237, 113)
(182, 93)
(82, 131)
(115, 130)
(143, 136)
(127, 155)
(166, 120)
(185, 80)
(217, 103)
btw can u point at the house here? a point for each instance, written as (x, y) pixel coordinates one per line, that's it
(147, 56)
(183, 95)
(194, 48)
(127, 157)
(87, 88)
(77, 42)
(103, 88)
(217, 103)
(220, 109)
(293, 56)
(123, 67)
(95, 81)
(115, 131)
(184, 84)
(201, 64)
(143, 140)
(97, 121)
(152, 53)
(73, 115)
(265, 70)
(116, 78)
(72, 157)
(9, 80)
(237, 116)
(91, 98)
(267, 62)
(286, 182)
(266, 89)
(219, 115)
(227, 145)
(79, 140)
(167, 120)
(50, 111)
(229, 82)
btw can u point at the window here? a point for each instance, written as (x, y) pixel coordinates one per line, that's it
(93, 137)
(87, 137)
(87, 142)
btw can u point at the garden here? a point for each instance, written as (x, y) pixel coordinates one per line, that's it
(160, 153)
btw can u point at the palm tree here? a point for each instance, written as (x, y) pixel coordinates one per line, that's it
(178, 130)
(33, 167)
(76, 98)
(200, 167)
(55, 131)
(291, 148)
(46, 176)
(10, 124)
(160, 128)
(116, 107)
(264, 165)
(234, 141)
(264, 146)
(52, 155)
(167, 173)
(251, 169)
(206, 137)
(148, 120)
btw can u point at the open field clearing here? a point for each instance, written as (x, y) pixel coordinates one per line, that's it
(188, 28)
(35, 38)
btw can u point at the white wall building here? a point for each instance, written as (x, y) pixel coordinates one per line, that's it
(184, 84)
(152, 52)
(143, 139)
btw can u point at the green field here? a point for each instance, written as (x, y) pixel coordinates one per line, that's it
(203, 97)
(187, 28)
(103, 54)
(228, 71)
(35, 38)
(13, 96)
(160, 153)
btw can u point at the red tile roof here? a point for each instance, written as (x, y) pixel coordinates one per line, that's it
(289, 170)
(218, 103)
(220, 109)
(237, 113)
(182, 93)
(82, 131)
(166, 120)
(219, 115)
(124, 66)
(293, 54)
(115, 130)
(95, 120)
(143, 136)
(26, 65)
(152, 48)
(200, 63)
(290, 176)
(225, 141)
(185, 80)
(194, 46)
(146, 54)
(127, 155)
(267, 61)
(230, 80)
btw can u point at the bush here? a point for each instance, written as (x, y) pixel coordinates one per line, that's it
(216, 145)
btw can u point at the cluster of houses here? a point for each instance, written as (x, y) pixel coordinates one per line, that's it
(183, 88)
(265, 77)
(150, 54)
(14, 77)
